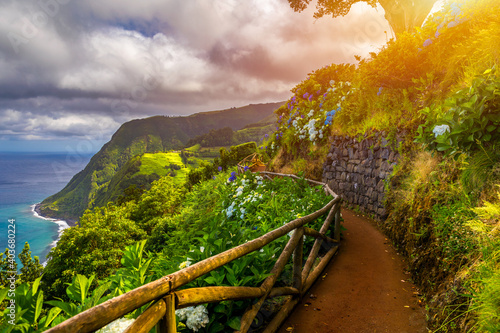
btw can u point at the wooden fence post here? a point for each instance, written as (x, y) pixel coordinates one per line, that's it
(297, 261)
(337, 223)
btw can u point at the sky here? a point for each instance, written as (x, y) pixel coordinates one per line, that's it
(72, 71)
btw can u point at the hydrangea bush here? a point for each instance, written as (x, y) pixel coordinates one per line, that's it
(467, 121)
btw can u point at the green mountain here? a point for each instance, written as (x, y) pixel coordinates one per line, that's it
(89, 188)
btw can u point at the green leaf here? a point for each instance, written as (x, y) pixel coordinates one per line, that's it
(79, 288)
(234, 323)
(491, 128)
(69, 308)
(3, 294)
(97, 294)
(210, 280)
(53, 313)
(38, 307)
(144, 268)
(220, 308)
(443, 147)
(216, 327)
(36, 283)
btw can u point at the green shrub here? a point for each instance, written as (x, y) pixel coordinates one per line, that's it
(467, 121)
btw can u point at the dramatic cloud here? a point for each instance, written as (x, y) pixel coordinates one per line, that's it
(74, 69)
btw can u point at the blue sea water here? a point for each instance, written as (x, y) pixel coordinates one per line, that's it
(25, 180)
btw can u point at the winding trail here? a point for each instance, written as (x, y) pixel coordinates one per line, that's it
(364, 289)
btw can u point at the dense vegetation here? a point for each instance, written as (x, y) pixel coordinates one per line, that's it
(119, 248)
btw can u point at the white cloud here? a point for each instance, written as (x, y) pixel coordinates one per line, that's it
(80, 64)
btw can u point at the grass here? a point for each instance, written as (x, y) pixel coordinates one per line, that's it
(194, 148)
(158, 163)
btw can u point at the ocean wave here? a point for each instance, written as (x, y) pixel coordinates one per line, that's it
(61, 223)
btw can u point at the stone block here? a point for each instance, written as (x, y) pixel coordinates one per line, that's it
(382, 212)
(384, 153)
(363, 154)
(381, 186)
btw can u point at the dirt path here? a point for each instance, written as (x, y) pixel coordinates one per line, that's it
(363, 289)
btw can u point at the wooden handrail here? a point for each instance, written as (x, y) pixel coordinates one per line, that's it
(167, 298)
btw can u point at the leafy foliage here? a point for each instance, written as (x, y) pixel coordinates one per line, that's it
(202, 228)
(469, 119)
(401, 15)
(95, 247)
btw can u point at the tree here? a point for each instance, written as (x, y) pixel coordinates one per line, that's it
(32, 269)
(402, 15)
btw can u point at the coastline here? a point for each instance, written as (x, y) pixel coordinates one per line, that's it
(61, 223)
(38, 213)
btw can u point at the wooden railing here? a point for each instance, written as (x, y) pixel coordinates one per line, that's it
(167, 298)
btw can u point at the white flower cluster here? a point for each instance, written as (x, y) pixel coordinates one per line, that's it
(185, 264)
(116, 326)
(440, 130)
(313, 132)
(237, 206)
(230, 210)
(239, 191)
(195, 317)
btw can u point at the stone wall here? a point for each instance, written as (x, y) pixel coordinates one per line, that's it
(358, 170)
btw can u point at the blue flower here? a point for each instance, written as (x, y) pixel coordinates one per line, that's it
(267, 135)
(305, 95)
(427, 42)
(246, 168)
(310, 98)
(380, 91)
(233, 177)
(219, 168)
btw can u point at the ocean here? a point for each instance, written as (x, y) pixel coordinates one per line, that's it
(25, 180)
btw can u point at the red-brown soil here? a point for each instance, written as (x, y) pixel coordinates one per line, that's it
(363, 289)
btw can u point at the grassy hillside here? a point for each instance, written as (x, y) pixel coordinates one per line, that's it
(89, 188)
